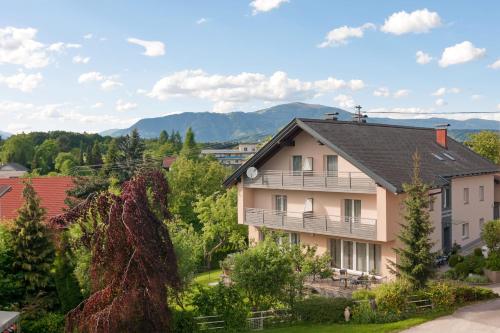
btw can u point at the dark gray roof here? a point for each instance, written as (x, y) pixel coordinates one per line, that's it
(383, 152)
(12, 166)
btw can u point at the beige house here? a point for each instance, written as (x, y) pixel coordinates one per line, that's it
(339, 185)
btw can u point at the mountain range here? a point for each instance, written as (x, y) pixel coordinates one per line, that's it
(251, 126)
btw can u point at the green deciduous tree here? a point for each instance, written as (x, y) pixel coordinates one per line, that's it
(219, 219)
(491, 235)
(45, 155)
(65, 163)
(486, 144)
(18, 148)
(415, 259)
(33, 250)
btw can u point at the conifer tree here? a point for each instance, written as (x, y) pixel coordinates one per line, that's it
(96, 154)
(189, 147)
(163, 138)
(88, 156)
(33, 250)
(65, 280)
(415, 259)
(80, 154)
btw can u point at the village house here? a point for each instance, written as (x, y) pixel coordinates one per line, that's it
(51, 190)
(338, 185)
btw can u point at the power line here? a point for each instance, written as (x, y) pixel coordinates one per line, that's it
(443, 113)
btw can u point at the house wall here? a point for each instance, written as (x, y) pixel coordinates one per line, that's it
(435, 217)
(474, 210)
(307, 146)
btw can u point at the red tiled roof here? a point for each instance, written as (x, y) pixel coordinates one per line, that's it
(167, 161)
(51, 190)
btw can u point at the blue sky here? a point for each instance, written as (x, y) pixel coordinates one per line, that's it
(80, 65)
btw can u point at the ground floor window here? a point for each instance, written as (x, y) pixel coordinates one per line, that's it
(356, 256)
(465, 230)
(289, 237)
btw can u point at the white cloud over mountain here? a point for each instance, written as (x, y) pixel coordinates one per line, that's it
(344, 101)
(418, 21)
(244, 87)
(262, 6)
(341, 35)
(151, 48)
(460, 53)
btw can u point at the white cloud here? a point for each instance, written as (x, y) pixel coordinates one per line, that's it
(265, 5)
(344, 101)
(460, 53)
(90, 76)
(12, 107)
(381, 92)
(107, 82)
(81, 60)
(495, 65)
(341, 35)
(152, 48)
(202, 20)
(97, 105)
(244, 87)
(223, 107)
(22, 81)
(18, 128)
(125, 106)
(443, 91)
(477, 97)
(19, 47)
(88, 36)
(401, 93)
(423, 58)
(60, 46)
(419, 21)
(440, 102)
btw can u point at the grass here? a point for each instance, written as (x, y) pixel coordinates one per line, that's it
(208, 277)
(361, 328)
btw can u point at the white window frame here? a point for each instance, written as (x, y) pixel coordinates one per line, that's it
(466, 195)
(465, 230)
(481, 193)
(354, 256)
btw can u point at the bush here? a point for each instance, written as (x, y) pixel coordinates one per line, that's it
(444, 294)
(455, 259)
(441, 294)
(391, 297)
(471, 264)
(321, 309)
(493, 261)
(364, 314)
(491, 235)
(11, 287)
(224, 301)
(474, 278)
(363, 294)
(49, 323)
(478, 252)
(184, 322)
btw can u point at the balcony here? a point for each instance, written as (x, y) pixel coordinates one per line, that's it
(341, 226)
(353, 182)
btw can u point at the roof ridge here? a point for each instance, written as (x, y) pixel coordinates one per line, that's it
(348, 122)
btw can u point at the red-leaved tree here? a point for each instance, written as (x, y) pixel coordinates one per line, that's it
(133, 260)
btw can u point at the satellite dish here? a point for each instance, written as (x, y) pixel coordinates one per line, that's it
(252, 172)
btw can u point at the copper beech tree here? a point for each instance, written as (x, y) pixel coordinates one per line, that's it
(132, 258)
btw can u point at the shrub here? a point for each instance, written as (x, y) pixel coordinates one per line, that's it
(184, 322)
(474, 278)
(391, 297)
(478, 252)
(441, 294)
(455, 259)
(363, 294)
(224, 301)
(491, 235)
(364, 314)
(11, 287)
(447, 293)
(493, 261)
(321, 309)
(49, 323)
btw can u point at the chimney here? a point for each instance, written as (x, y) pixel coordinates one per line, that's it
(442, 135)
(331, 116)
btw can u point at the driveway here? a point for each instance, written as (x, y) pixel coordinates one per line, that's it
(482, 317)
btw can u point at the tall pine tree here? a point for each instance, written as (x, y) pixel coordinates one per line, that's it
(96, 154)
(415, 257)
(189, 147)
(33, 250)
(163, 137)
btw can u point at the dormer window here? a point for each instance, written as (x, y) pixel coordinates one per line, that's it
(438, 157)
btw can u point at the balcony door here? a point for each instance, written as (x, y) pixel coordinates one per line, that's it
(297, 164)
(331, 165)
(352, 210)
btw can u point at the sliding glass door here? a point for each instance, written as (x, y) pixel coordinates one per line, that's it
(356, 256)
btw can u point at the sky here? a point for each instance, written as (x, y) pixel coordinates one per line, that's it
(97, 65)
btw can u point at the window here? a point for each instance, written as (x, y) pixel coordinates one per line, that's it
(481, 223)
(280, 203)
(348, 257)
(308, 205)
(336, 252)
(466, 196)
(297, 164)
(352, 210)
(465, 230)
(308, 164)
(294, 238)
(446, 198)
(245, 149)
(332, 166)
(375, 258)
(438, 157)
(361, 260)
(449, 156)
(481, 193)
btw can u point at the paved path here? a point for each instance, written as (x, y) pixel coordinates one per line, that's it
(482, 318)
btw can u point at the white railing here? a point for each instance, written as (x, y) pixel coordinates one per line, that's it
(312, 180)
(364, 228)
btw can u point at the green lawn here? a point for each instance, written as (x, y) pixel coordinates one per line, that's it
(361, 328)
(208, 277)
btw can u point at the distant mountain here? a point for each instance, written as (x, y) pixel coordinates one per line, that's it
(4, 135)
(249, 126)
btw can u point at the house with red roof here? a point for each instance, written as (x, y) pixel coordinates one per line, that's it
(51, 190)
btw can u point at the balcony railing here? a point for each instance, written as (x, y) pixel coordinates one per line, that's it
(306, 222)
(311, 180)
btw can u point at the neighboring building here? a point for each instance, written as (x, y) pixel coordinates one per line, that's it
(51, 190)
(12, 170)
(233, 157)
(168, 161)
(339, 185)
